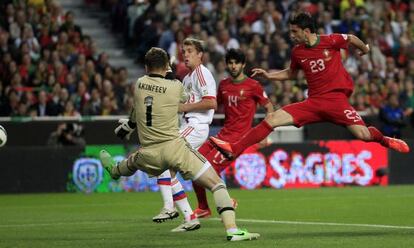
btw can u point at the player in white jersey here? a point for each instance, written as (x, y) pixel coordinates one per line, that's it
(197, 115)
(200, 86)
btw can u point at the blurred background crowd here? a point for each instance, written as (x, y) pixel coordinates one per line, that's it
(49, 67)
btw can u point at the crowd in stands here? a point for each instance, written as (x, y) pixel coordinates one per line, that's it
(260, 29)
(46, 58)
(48, 67)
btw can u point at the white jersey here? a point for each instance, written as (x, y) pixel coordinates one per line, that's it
(195, 134)
(199, 84)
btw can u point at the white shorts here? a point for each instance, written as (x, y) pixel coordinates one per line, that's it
(195, 134)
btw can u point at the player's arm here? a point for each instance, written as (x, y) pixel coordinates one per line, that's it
(262, 99)
(183, 94)
(132, 115)
(358, 43)
(203, 105)
(282, 75)
(126, 126)
(269, 107)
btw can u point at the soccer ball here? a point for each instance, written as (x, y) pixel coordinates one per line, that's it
(3, 136)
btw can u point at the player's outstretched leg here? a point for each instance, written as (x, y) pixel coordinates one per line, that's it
(109, 164)
(254, 136)
(209, 179)
(203, 210)
(116, 170)
(226, 148)
(219, 163)
(228, 216)
(392, 143)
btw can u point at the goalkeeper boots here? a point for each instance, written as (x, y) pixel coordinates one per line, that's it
(165, 214)
(108, 163)
(242, 235)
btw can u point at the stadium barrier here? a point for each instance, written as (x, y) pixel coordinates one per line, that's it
(36, 169)
(294, 165)
(34, 131)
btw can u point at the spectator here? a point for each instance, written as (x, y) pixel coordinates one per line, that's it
(93, 106)
(69, 110)
(42, 106)
(109, 106)
(226, 42)
(55, 106)
(135, 11)
(167, 37)
(392, 116)
(69, 25)
(348, 24)
(46, 48)
(67, 134)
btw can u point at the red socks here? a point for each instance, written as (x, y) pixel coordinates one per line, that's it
(201, 196)
(254, 136)
(376, 135)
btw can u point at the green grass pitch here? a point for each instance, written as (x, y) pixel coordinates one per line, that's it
(328, 217)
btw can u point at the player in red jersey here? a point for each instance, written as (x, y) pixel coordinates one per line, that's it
(239, 95)
(329, 89)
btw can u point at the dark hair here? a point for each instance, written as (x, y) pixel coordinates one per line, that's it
(156, 58)
(198, 44)
(303, 20)
(236, 54)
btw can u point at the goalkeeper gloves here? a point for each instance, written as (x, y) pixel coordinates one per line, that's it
(170, 72)
(125, 128)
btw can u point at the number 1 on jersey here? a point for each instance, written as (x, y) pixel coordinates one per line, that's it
(148, 103)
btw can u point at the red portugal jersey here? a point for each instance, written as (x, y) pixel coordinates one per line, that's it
(240, 102)
(322, 65)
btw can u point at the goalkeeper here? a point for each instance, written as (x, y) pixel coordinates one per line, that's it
(156, 102)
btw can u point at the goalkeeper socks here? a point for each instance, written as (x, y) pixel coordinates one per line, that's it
(201, 196)
(123, 169)
(164, 182)
(208, 150)
(224, 205)
(180, 199)
(254, 136)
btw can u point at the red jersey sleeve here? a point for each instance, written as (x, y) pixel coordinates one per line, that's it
(339, 41)
(260, 95)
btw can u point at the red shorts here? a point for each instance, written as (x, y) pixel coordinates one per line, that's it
(216, 158)
(334, 108)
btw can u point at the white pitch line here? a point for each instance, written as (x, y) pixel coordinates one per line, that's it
(320, 223)
(215, 219)
(55, 224)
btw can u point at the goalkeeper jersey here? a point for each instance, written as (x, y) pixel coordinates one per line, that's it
(156, 101)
